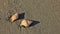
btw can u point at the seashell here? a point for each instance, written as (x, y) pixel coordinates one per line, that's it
(14, 17)
(25, 23)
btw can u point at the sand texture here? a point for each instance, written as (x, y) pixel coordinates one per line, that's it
(47, 12)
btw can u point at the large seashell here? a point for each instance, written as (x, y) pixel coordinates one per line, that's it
(25, 23)
(14, 17)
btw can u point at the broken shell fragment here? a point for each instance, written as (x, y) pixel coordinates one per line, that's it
(25, 23)
(14, 17)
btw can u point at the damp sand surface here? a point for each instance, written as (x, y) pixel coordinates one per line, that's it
(47, 12)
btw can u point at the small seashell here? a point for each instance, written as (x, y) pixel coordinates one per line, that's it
(25, 23)
(14, 17)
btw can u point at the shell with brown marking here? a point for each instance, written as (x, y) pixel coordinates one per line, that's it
(14, 17)
(25, 23)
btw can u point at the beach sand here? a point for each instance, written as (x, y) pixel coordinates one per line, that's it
(47, 12)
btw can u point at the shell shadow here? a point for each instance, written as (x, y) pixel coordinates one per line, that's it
(21, 16)
(34, 23)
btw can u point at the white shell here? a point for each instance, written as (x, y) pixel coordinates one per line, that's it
(14, 17)
(25, 23)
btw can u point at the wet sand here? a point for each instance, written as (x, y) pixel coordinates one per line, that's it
(47, 12)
